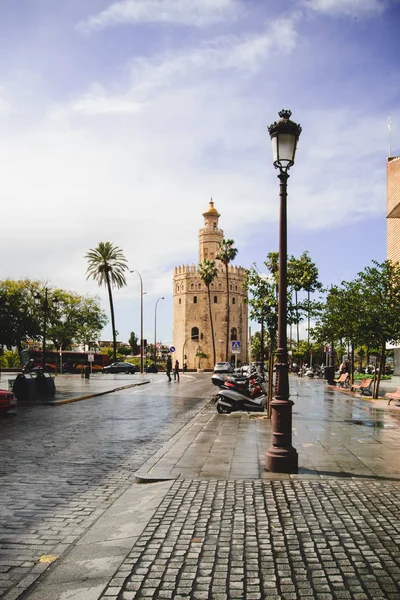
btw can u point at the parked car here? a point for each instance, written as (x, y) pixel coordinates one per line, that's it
(223, 367)
(121, 367)
(7, 401)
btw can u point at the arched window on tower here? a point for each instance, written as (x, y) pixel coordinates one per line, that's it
(233, 334)
(199, 286)
(180, 301)
(195, 333)
(236, 288)
(215, 299)
(194, 299)
(177, 288)
(230, 287)
(233, 300)
(192, 286)
(220, 286)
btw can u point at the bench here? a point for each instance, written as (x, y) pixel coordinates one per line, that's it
(394, 395)
(364, 387)
(343, 380)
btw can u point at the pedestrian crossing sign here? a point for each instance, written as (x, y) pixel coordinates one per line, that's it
(236, 346)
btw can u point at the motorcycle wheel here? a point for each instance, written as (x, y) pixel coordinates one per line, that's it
(223, 410)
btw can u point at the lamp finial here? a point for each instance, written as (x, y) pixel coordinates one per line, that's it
(285, 114)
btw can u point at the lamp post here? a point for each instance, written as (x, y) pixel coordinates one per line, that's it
(141, 320)
(193, 338)
(43, 301)
(281, 457)
(155, 331)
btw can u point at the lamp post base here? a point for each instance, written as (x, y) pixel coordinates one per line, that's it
(282, 460)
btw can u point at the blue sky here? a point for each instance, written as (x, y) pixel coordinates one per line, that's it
(119, 121)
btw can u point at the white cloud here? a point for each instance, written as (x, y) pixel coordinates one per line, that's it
(234, 53)
(352, 8)
(185, 12)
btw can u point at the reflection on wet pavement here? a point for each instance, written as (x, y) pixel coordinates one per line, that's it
(337, 435)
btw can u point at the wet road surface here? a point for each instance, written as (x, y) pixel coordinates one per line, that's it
(60, 467)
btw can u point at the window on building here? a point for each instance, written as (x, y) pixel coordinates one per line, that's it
(195, 333)
(220, 286)
(192, 286)
(230, 287)
(233, 334)
(233, 300)
(180, 301)
(212, 286)
(236, 288)
(199, 286)
(177, 288)
(215, 299)
(194, 299)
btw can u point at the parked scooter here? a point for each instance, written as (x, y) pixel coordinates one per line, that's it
(245, 393)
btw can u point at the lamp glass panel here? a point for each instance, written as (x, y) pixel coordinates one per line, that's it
(275, 148)
(286, 147)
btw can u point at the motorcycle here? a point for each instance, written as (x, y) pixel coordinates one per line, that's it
(244, 393)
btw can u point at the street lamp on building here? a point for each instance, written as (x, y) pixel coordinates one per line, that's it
(155, 331)
(42, 301)
(141, 320)
(281, 457)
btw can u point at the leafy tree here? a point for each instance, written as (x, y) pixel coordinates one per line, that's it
(380, 307)
(208, 272)
(107, 266)
(76, 319)
(133, 342)
(303, 275)
(226, 253)
(200, 355)
(19, 316)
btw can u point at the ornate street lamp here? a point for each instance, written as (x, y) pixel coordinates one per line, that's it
(281, 457)
(155, 331)
(44, 303)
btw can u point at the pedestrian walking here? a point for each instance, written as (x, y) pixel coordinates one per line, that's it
(169, 367)
(176, 370)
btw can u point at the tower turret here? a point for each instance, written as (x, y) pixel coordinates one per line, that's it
(210, 236)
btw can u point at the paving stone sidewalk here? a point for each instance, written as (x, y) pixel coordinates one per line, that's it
(278, 540)
(226, 530)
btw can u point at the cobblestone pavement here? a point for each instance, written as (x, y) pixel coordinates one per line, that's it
(276, 540)
(62, 467)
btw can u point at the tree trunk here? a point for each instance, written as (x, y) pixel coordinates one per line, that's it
(262, 347)
(211, 323)
(297, 319)
(227, 313)
(381, 370)
(112, 318)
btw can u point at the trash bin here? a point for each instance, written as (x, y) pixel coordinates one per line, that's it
(24, 387)
(329, 375)
(45, 385)
(87, 372)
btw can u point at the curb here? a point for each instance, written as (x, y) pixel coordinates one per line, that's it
(142, 475)
(87, 396)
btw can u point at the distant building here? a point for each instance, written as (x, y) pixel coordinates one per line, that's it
(191, 312)
(393, 224)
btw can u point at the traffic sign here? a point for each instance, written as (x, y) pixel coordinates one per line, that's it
(172, 348)
(236, 347)
(90, 358)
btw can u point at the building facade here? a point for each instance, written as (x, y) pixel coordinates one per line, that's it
(393, 208)
(192, 328)
(393, 225)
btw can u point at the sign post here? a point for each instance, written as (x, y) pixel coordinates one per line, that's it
(91, 360)
(236, 350)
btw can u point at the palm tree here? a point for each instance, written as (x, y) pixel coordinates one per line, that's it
(107, 264)
(208, 272)
(226, 253)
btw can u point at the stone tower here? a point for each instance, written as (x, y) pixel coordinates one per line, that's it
(191, 311)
